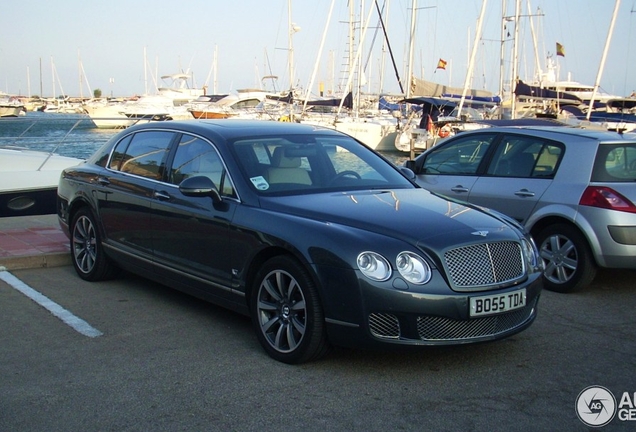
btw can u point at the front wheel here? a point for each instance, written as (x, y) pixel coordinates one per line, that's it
(566, 255)
(286, 312)
(87, 253)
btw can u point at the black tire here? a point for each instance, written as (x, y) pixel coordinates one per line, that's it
(87, 252)
(286, 312)
(569, 265)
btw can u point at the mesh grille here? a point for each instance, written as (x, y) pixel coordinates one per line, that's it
(438, 328)
(484, 264)
(384, 325)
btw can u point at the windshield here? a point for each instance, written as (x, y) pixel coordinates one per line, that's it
(298, 164)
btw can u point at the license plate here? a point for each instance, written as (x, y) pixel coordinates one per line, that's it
(497, 303)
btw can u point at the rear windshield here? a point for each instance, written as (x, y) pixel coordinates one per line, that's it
(615, 163)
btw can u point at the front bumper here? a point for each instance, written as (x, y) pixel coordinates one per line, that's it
(394, 317)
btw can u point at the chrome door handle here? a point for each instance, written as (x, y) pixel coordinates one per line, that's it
(163, 196)
(103, 181)
(524, 193)
(459, 188)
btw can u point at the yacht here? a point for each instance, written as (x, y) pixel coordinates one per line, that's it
(28, 181)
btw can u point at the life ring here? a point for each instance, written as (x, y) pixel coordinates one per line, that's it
(284, 119)
(444, 131)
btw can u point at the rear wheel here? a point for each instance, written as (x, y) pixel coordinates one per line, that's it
(286, 312)
(87, 252)
(569, 265)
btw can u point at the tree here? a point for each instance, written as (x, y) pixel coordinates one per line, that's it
(97, 93)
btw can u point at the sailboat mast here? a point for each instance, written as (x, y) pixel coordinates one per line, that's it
(290, 54)
(79, 74)
(409, 74)
(502, 51)
(471, 64)
(602, 65)
(515, 61)
(53, 76)
(322, 44)
(537, 60)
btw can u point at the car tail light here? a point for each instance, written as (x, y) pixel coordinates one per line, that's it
(607, 198)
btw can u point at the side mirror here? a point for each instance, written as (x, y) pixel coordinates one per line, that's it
(200, 186)
(411, 166)
(408, 172)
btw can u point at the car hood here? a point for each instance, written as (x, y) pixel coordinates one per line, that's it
(409, 214)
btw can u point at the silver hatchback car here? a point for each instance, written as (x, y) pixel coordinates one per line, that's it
(573, 189)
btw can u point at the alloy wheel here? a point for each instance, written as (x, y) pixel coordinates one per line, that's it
(282, 311)
(84, 244)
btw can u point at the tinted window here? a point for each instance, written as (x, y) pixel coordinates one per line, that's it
(462, 156)
(142, 154)
(615, 163)
(196, 157)
(525, 156)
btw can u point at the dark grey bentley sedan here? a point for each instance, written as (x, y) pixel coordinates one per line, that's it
(320, 240)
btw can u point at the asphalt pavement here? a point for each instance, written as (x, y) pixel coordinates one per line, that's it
(129, 354)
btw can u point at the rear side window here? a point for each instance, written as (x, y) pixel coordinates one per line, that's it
(525, 157)
(143, 154)
(615, 163)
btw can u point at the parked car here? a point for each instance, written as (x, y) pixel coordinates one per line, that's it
(573, 189)
(318, 238)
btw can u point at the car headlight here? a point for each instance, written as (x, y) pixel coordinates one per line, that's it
(413, 268)
(374, 266)
(531, 255)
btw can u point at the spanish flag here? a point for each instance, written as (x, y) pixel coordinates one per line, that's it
(560, 51)
(441, 64)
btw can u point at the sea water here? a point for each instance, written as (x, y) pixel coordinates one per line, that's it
(74, 135)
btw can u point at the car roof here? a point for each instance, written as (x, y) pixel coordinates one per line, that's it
(556, 131)
(229, 129)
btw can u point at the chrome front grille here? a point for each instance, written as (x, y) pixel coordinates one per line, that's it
(484, 264)
(384, 325)
(432, 328)
(435, 329)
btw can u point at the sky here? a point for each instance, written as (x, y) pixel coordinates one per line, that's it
(123, 47)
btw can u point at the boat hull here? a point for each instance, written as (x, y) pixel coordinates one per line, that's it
(207, 115)
(28, 202)
(28, 181)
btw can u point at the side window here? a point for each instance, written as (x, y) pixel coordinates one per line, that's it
(143, 154)
(525, 156)
(196, 157)
(119, 153)
(461, 157)
(615, 163)
(548, 161)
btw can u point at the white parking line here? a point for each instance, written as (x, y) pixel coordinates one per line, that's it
(75, 322)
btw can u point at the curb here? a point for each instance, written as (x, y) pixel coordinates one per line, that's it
(39, 261)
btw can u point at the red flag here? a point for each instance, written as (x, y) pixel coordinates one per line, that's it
(560, 51)
(441, 64)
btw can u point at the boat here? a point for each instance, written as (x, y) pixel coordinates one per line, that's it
(231, 105)
(120, 115)
(61, 105)
(176, 88)
(367, 121)
(11, 106)
(29, 179)
(568, 89)
(617, 115)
